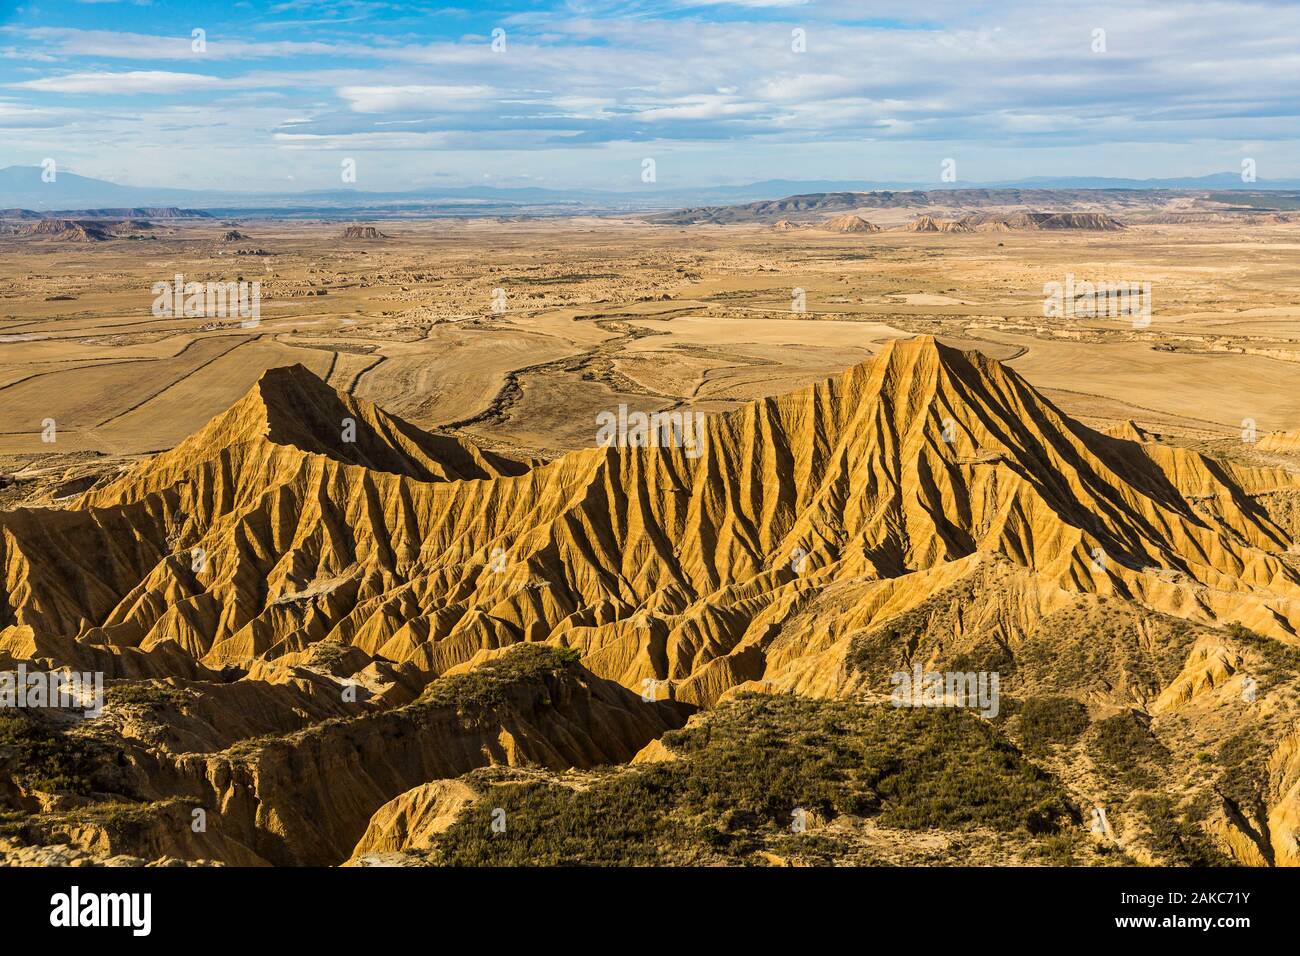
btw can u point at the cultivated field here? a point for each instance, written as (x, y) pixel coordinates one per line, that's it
(602, 312)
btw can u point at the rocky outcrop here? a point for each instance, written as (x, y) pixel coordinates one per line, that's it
(1032, 221)
(308, 797)
(268, 795)
(848, 223)
(930, 224)
(67, 230)
(411, 820)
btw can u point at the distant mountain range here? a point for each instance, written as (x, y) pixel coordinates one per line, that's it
(23, 187)
(123, 212)
(808, 207)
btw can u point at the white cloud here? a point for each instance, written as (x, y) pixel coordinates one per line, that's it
(393, 99)
(135, 81)
(700, 108)
(16, 116)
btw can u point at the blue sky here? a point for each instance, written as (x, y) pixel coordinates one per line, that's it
(585, 90)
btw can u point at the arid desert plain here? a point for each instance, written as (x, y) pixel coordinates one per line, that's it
(598, 312)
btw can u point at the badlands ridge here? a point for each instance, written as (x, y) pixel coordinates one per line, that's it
(310, 609)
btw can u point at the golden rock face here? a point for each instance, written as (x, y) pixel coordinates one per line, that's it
(928, 486)
(268, 530)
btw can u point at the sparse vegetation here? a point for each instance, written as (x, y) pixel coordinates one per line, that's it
(1125, 745)
(1243, 778)
(1174, 835)
(489, 684)
(1280, 659)
(1051, 720)
(902, 639)
(44, 758)
(1058, 849)
(330, 656)
(741, 775)
(151, 695)
(1079, 647)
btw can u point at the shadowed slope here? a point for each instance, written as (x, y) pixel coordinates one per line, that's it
(921, 464)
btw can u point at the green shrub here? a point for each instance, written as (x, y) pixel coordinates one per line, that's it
(741, 774)
(1080, 647)
(1278, 657)
(1052, 720)
(153, 696)
(1243, 779)
(490, 683)
(1175, 836)
(1125, 745)
(46, 759)
(1057, 849)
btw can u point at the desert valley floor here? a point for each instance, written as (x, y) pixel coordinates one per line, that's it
(500, 643)
(599, 312)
